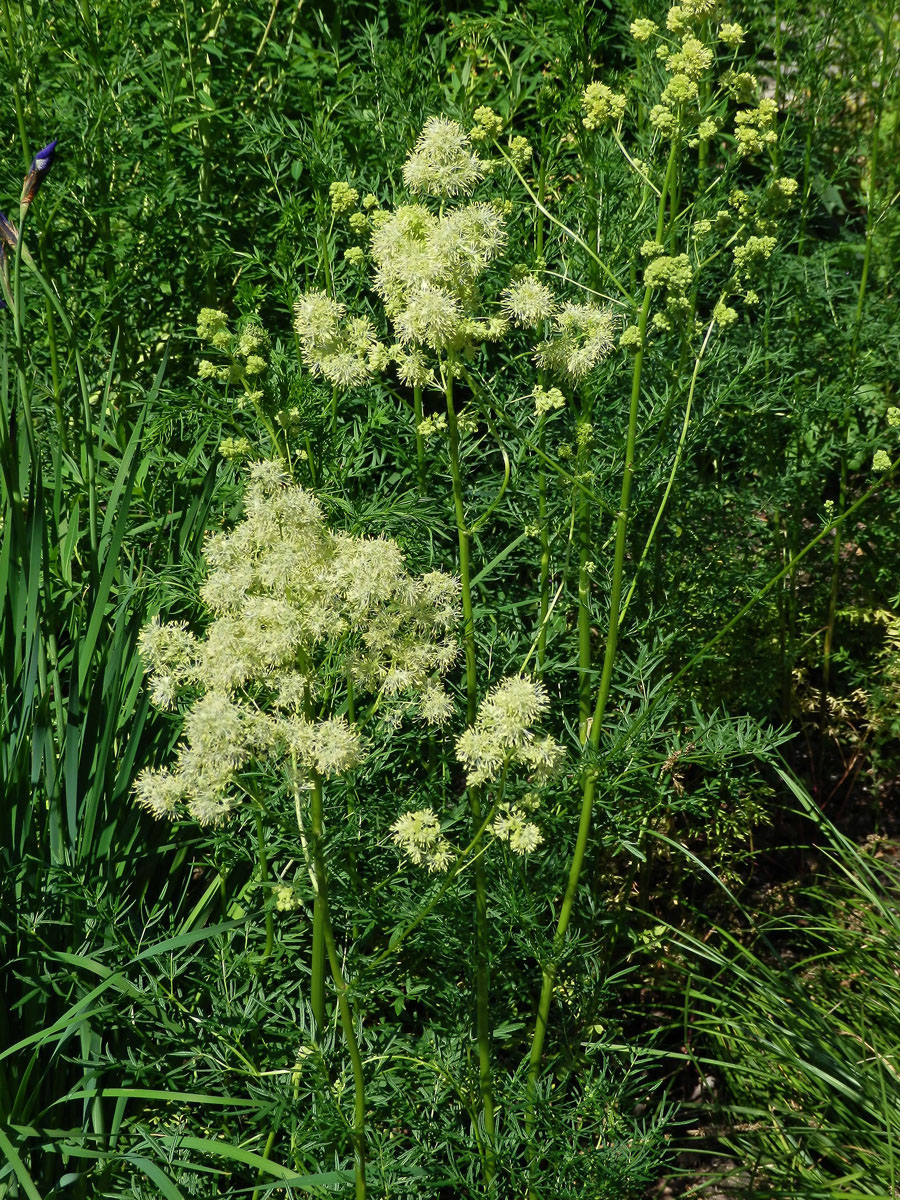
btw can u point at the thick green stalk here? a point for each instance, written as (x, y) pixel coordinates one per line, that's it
(263, 881)
(482, 944)
(420, 441)
(317, 966)
(612, 634)
(347, 1023)
(584, 523)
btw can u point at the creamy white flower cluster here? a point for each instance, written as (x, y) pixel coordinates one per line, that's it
(427, 268)
(502, 737)
(286, 592)
(502, 734)
(442, 163)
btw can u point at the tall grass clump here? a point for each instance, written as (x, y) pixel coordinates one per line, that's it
(794, 1024)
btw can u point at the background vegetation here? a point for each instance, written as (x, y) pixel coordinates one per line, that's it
(726, 994)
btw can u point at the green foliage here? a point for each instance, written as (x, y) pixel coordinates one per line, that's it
(171, 1027)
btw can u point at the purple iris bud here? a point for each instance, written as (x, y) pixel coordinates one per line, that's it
(37, 172)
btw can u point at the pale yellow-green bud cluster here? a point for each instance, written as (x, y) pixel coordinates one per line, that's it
(547, 400)
(752, 128)
(643, 29)
(285, 897)
(520, 152)
(487, 124)
(692, 60)
(247, 351)
(288, 595)
(418, 834)
(752, 254)
(433, 425)
(674, 274)
(343, 198)
(731, 34)
(882, 460)
(232, 449)
(602, 106)
(724, 315)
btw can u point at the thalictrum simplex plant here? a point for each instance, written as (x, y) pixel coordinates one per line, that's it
(434, 266)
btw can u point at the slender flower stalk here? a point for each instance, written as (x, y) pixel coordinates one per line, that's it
(482, 944)
(348, 1025)
(593, 737)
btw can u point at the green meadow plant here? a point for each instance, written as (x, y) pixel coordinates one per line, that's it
(445, 307)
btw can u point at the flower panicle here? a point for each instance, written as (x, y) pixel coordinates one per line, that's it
(286, 593)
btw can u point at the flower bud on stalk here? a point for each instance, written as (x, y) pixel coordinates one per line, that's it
(9, 236)
(36, 173)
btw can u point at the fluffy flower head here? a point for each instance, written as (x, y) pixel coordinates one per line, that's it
(442, 163)
(529, 302)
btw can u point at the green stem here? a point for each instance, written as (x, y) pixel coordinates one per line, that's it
(584, 581)
(347, 1023)
(482, 944)
(545, 557)
(589, 787)
(263, 881)
(420, 441)
(317, 967)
